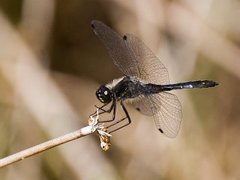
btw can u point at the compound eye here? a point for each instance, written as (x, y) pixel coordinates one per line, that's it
(104, 94)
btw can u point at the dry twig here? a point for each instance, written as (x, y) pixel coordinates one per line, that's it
(91, 128)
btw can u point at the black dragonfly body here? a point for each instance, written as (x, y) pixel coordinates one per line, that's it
(145, 82)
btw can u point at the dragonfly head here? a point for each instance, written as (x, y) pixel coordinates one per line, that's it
(104, 94)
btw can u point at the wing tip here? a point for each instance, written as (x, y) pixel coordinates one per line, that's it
(93, 23)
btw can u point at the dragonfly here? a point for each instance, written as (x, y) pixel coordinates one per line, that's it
(145, 82)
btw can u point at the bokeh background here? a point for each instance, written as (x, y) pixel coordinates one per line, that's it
(51, 63)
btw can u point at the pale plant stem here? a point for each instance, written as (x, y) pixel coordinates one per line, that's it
(45, 146)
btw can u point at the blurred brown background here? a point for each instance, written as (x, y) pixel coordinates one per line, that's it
(51, 63)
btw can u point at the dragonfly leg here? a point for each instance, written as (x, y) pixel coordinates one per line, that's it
(113, 110)
(101, 108)
(102, 111)
(120, 120)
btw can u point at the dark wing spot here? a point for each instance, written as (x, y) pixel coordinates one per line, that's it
(160, 130)
(125, 37)
(138, 109)
(93, 26)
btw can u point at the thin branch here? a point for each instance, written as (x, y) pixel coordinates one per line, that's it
(45, 146)
(93, 126)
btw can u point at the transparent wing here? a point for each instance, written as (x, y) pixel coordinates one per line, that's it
(150, 67)
(131, 55)
(165, 109)
(145, 105)
(168, 118)
(117, 48)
